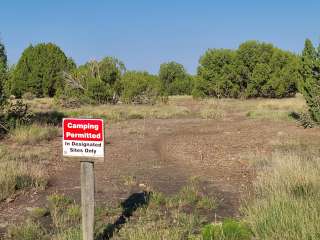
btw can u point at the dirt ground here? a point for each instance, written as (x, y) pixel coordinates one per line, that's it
(162, 155)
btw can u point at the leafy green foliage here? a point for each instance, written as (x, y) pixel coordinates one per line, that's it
(39, 70)
(216, 72)
(175, 79)
(253, 70)
(139, 87)
(310, 86)
(94, 82)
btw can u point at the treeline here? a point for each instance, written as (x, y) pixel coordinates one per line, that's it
(44, 70)
(255, 69)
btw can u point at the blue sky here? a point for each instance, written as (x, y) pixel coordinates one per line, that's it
(146, 33)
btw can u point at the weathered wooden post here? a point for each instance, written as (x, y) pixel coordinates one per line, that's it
(83, 139)
(87, 199)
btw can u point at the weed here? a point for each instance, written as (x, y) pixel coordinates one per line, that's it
(26, 231)
(38, 212)
(64, 212)
(227, 230)
(74, 233)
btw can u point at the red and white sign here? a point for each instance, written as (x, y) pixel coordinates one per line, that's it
(83, 137)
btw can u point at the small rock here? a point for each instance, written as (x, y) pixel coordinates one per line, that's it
(142, 185)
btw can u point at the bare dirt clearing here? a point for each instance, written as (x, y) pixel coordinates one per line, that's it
(163, 154)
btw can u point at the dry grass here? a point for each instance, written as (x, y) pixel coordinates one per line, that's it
(33, 134)
(41, 104)
(287, 193)
(178, 106)
(125, 112)
(21, 169)
(23, 162)
(276, 109)
(212, 111)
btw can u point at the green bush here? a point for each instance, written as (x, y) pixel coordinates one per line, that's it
(174, 79)
(253, 70)
(99, 91)
(139, 88)
(216, 74)
(15, 113)
(228, 230)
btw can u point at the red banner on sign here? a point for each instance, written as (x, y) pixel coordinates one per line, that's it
(83, 129)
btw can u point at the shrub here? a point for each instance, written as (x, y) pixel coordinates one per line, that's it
(227, 230)
(215, 71)
(253, 70)
(27, 231)
(14, 114)
(139, 88)
(99, 92)
(174, 79)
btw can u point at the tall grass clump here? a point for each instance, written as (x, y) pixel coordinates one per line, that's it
(229, 229)
(21, 169)
(287, 192)
(32, 134)
(27, 231)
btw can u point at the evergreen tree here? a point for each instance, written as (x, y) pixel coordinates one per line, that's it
(3, 71)
(310, 86)
(39, 70)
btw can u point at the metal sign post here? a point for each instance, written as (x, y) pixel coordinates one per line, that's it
(83, 140)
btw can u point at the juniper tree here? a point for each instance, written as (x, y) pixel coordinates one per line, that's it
(39, 70)
(310, 86)
(3, 71)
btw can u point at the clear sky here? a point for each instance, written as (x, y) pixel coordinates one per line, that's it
(146, 33)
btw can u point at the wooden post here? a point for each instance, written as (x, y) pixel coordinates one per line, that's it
(87, 199)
